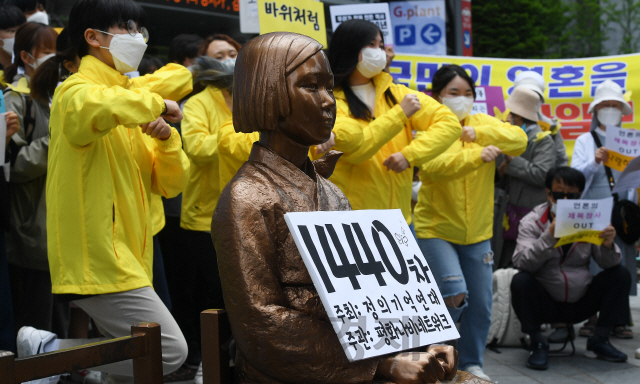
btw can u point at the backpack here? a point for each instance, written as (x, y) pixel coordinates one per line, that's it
(505, 326)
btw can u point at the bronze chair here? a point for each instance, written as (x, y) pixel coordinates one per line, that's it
(143, 347)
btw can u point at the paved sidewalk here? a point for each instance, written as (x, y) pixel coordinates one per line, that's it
(509, 366)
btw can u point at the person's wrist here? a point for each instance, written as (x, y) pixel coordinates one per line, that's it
(164, 111)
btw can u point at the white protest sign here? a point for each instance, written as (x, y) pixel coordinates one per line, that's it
(375, 13)
(623, 141)
(419, 27)
(249, 20)
(629, 178)
(573, 216)
(373, 280)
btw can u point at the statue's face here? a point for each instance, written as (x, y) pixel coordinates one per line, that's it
(313, 107)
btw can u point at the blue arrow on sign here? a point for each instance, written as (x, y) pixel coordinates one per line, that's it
(467, 39)
(431, 34)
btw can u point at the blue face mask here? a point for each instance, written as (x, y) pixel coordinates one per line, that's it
(524, 128)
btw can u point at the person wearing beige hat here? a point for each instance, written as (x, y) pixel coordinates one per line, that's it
(607, 108)
(534, 81)
(525, 174)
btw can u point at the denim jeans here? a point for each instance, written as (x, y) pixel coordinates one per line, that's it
(465, 269)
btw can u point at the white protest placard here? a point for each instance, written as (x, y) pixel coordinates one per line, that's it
(249, 20)
(373, 280)
(419, 27)
(623, 141)
(375, 13)
(573, 216)
(629, 178)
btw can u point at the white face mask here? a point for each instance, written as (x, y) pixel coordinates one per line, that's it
(554, 206)
(127, 51)
(7, 45)
(39, 17)
(40, 60)
(373, 62)
(610, 116)
(459, 105)
(229, 63)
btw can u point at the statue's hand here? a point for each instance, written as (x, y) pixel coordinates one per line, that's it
(448, 358)
(411, 368)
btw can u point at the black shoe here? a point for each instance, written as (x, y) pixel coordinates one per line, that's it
(605, 351)
(538, 357)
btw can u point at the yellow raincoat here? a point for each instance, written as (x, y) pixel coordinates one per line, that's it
(455, 202)
(204, 114)
(172, 82)
(98, 219)
(366, 145)
(234, 148)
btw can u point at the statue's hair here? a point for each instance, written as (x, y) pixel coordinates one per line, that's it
(211, 72)
(260, 95)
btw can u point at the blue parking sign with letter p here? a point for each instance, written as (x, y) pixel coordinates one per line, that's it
(405, 34)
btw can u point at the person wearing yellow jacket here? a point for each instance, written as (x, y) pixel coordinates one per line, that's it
(98, 217)
(454, 214)
(172, 82)
(234, 148)
(375, 120)
(204, 114)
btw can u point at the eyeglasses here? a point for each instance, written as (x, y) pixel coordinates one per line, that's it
(563, 195)
(133, 30)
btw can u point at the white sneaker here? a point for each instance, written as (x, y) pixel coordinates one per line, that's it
(638, 353)
(30, 342)
(198, 378)
(476, 370)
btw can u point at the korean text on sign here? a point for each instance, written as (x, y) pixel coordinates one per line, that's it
(571, 83)
(377, 13)
(374, 282)
(623, 141)
(574, 216)
(301, 16)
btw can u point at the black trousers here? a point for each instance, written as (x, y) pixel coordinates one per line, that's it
(34, 304)
(608, 294)
(191, 267)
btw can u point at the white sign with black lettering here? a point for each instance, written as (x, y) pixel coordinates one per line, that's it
(623, 141)
(573, 216)
(373, 280)
(378, 14)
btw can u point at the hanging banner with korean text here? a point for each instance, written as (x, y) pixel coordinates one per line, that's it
(377, 13)
(228, 7)
(571, 83)
(373, 280)
(623, 145)
(305, 17)
(582, 220)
